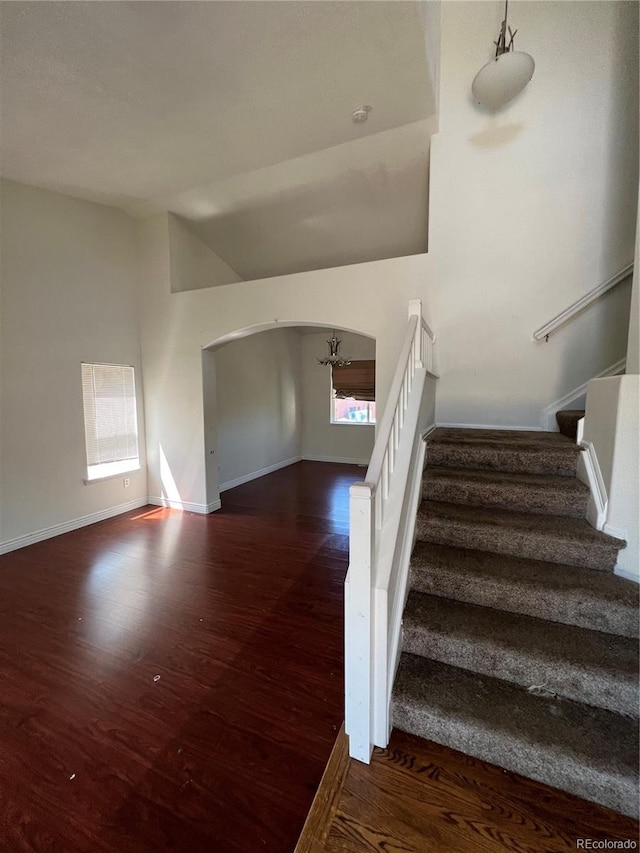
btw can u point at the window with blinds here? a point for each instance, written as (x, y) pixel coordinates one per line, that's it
(110, 422)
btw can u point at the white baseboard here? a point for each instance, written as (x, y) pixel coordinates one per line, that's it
(589, 472)
(428, 431)
(491, 426)
(246, 478)
(68, 526)
(630, 576)
(612, 530)
(564, 402)
(342, 460)
(400, 600)
(186, 506)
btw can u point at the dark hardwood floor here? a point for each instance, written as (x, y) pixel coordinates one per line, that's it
(172, 681)
(419, 797)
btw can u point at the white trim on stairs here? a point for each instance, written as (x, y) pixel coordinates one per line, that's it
(589, 472)
(624, 573)
(613, 530)
(564, 402)
(408, 527)
(68, 526)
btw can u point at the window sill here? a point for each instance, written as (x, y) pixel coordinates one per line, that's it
(351, 423)
(113, 476)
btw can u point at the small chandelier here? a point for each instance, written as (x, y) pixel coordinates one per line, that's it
(334, 359)
(506, 75)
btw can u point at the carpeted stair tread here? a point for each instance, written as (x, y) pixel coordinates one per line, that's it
(530, 438)
(588, 751)
(503, 450)
(555, 539)
(586, 666)
(567, 421)
(598, 601)
(537, 493)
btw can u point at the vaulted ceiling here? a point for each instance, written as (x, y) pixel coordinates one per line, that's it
(234, 115)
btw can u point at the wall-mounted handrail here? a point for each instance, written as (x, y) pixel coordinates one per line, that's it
(382, 512)
(582, 303)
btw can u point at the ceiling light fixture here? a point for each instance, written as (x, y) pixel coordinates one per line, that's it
(334, 359)
(506, 75)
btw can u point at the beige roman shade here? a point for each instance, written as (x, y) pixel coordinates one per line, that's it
(357, 380)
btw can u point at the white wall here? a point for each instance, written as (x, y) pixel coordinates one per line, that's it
(369, 298)
(612, 425)
(210, 418)
(533, 206)
(429, 11)
(529, 209)
(193, 263)
(257, 404)
(68, 295)
(321, 439)
(624, 495)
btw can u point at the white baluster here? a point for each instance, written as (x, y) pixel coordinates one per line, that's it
(392, 450)
(385, 480)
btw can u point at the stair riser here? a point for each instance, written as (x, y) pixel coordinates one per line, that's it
(517, 543)
(567, 608)
(595, 687)
(525, 498)
(501, 458)
(568, 423)
(619, 794)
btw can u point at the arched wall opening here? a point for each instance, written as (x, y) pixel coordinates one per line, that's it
(267, 403)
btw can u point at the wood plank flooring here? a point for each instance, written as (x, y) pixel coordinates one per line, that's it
(172, 681)
(419, 797)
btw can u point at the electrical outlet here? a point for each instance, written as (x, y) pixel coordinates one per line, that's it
(125, 482)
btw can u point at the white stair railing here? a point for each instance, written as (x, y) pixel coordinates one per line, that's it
(579, 305)
(382, 522)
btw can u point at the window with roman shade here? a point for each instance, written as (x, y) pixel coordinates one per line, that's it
(110, 421)
(354, 392)
(357, 380)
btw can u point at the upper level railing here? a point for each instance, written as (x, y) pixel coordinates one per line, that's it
(382, 516)
(582, 303)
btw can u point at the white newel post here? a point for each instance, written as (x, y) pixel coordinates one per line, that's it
(358, 622)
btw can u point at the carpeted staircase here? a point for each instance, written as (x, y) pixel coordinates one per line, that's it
(567, 421)
(519, 643)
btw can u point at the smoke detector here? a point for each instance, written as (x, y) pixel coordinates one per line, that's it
(361, 114)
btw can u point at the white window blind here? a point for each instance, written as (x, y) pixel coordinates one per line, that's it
(110, 423)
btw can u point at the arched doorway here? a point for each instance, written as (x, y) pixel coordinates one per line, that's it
(267, 403)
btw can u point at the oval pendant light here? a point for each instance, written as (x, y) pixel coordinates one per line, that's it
(507, 74)
(502, 78)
